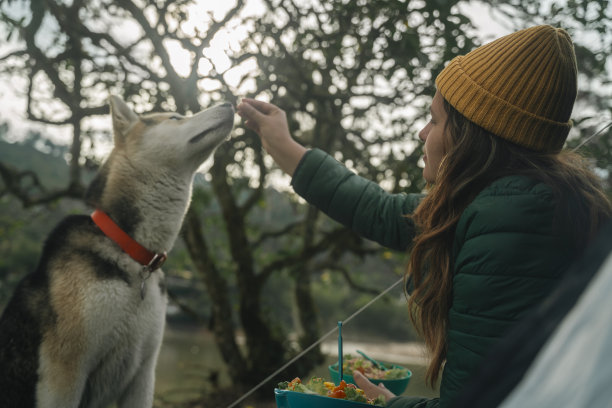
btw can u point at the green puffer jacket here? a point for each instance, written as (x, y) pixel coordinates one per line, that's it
(507, 252)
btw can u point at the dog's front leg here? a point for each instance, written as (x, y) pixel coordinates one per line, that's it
(139, 393)
(60, 384)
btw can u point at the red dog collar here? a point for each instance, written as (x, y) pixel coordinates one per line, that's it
(150, 260)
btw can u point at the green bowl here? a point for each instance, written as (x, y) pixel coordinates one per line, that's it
(292, 399)
(396, 386)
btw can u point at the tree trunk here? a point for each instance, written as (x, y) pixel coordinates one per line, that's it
(307, 312)
(265, 352)
(222, 321)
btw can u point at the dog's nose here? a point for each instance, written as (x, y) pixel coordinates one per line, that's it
(227, 105)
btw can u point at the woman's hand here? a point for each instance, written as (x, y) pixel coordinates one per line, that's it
(270, 123)
(371, 390)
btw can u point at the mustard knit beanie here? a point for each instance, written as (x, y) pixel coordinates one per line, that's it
(520, 87)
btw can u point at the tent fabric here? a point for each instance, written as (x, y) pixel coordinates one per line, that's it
(575, 367)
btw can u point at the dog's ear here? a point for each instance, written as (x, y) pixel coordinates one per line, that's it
(123, 117)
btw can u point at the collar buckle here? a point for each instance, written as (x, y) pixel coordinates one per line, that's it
(156, 262)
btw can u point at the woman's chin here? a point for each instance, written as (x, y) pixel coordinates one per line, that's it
(427, 177)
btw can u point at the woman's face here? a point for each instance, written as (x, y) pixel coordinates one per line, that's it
(434, 135)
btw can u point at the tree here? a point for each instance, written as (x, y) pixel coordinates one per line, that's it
(344, 72)
(354, 76)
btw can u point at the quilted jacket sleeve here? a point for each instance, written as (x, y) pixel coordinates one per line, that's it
(355, 202)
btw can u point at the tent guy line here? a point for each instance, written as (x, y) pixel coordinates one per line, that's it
(315, 344)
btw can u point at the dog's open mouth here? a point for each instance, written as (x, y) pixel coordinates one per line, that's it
(199, 136)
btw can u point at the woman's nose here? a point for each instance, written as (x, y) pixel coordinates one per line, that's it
(423, 133)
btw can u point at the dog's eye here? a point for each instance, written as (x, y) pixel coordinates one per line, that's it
(175, 117)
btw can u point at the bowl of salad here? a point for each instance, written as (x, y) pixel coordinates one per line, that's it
(322, 394)
(394, 377)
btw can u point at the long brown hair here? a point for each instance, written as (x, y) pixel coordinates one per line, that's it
(474, 158)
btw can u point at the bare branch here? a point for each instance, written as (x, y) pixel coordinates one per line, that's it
(176, 83)
(332, 265)
(17, 53)
(275, 234)
(303, 256)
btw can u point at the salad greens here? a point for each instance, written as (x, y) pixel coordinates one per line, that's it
(319, 386)
(351, 364)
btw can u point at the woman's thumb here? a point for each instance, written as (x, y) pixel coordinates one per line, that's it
(363, 382)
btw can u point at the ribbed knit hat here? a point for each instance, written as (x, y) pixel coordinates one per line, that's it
(520, 87)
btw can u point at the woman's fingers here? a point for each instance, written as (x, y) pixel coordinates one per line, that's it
(371, 390)
(270, 123)
(263, 107)
(246, 111)
(264, 118)
(252, 117)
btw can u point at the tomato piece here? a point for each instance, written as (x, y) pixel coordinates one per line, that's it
(293, 382)
(340, 386)
(337, 394)
(353, 386)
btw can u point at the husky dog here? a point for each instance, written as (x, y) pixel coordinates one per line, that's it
(85, 328)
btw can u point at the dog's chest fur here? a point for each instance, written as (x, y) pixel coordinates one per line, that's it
(125, 329)
(85, 302)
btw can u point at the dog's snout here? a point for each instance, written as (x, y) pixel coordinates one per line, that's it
(227, 105)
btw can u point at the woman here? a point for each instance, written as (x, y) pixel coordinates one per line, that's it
(507, 210)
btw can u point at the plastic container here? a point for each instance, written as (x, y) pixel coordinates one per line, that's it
(396, 386)
(292, 399)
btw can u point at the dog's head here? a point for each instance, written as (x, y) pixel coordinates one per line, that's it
(158, 146)
(169, 139)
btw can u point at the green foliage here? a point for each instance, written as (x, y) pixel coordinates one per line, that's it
(345, 73)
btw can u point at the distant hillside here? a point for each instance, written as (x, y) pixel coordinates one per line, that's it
(23, 231)
(52, 170)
